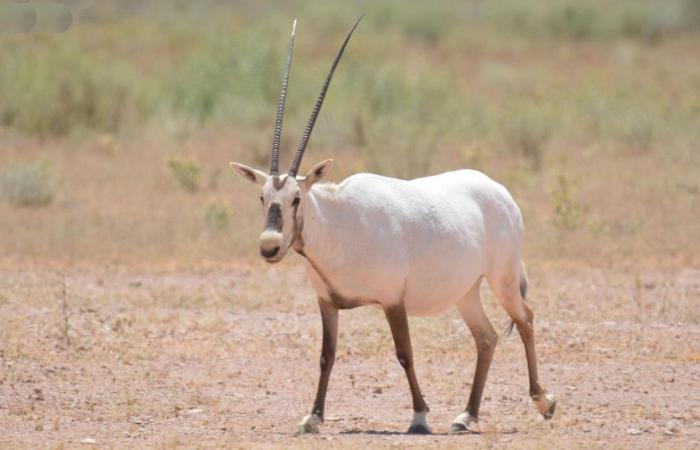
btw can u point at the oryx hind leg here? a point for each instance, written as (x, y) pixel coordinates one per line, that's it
(510, 286)
(485, 338)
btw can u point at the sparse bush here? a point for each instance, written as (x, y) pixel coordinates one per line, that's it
(217, 215)
(53, 90)
(401, 118)
(187, 172)
(638, 131)
(598, 227)
(641, 23)
(568, 212)
(238, 78)
(422, 22)
(30, 185)
(575, 21)
(528, 135)
(644, 20)
(691, 12)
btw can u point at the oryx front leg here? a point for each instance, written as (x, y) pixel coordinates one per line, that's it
(485, 338)
(396, 316)
(329, 317)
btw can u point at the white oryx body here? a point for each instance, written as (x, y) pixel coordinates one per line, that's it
(412, 247)
(423, 243)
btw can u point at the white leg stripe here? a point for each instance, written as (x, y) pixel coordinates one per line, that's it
(469, 422)
(309, 424)
(420, 418)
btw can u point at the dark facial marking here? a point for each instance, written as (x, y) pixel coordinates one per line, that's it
(278, 182)
(269, 253)
(274, 218)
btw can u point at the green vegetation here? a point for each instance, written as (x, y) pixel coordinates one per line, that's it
(30, 184)
(210, 65)
(568, 212)
(187, 172)
(217, 215)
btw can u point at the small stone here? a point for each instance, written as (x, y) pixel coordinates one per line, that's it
(194, 411)
(88, 440)
(634, 431)
(377, 390)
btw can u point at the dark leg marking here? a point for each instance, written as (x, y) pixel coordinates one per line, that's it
(485, 339)
(527, 334)
(398, 322)
(329, 317)
(523, 286)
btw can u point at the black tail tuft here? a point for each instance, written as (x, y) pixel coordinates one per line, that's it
(509, 329)
(523, 293)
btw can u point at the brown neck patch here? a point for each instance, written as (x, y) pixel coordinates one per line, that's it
(334, 297)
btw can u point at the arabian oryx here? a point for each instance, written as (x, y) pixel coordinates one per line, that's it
(412, 247)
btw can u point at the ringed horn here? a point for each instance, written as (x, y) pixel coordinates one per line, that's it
(275, 163)
(294, 168)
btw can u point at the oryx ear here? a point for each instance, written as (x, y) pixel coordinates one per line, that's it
(317, 172)
(250, 174)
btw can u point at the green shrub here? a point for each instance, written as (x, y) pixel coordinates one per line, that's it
(638, 131)
(238, 78)
(217, 215)
(400, 118)
(568, 212)
(575, 21)
(52, 88)
(691, 13)
(528, 135)
(187, 172)
(30, 185)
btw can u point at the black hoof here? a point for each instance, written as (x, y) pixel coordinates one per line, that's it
(419, 429)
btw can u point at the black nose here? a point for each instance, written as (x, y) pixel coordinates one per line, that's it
(269, 253)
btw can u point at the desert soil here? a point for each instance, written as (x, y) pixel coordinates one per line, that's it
(229, 357)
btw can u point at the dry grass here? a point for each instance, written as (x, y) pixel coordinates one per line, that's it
(125, 206)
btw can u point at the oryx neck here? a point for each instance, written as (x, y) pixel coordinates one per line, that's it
(320, 212)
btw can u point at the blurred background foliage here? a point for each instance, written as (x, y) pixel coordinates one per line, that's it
(588, 111)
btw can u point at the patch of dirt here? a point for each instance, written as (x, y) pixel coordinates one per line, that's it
(230, 357)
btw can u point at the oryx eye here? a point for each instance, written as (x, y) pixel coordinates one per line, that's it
(261, 199)
(296, 201)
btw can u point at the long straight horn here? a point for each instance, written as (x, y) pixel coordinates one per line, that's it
(294, 168)
(275, 163)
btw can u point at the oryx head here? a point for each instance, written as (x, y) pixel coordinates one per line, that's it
(283, 196)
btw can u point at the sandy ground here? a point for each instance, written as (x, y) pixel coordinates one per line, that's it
(230, 358)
